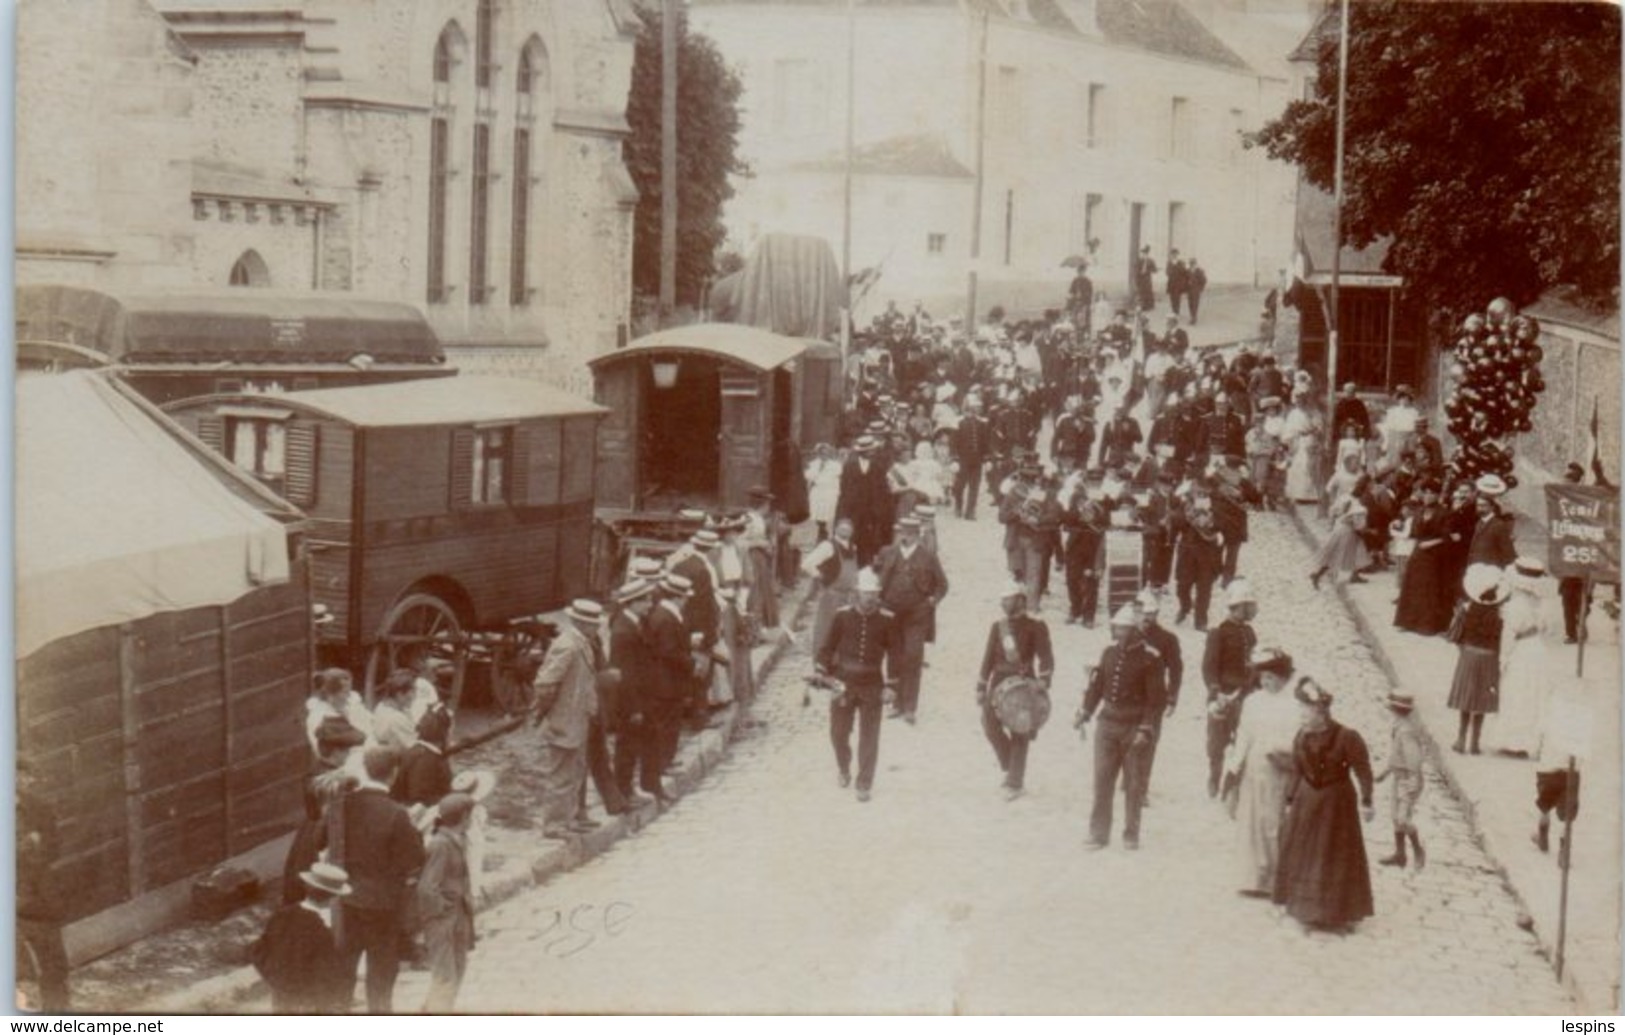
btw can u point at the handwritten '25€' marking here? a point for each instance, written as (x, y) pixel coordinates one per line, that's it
(567, 932)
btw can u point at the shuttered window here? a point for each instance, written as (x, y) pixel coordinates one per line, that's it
(301, 463)
(211, 431)
(462, 467)
(519, 465)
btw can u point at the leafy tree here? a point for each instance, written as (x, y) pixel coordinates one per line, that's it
(707, 132)
(1484, 138)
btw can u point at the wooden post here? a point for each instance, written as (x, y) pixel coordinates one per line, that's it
(135, 864)
(1563, 858)
(225, 725)
(1585, 609)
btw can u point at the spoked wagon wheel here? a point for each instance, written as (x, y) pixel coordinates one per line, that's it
(514, 656)
(419, 624)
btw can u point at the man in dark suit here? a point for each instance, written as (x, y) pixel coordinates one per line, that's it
(973, 441)
(1017, 645)
(628, 716)
(860, 651)
(1178, 281)
(1350, 412)
(1128, 688)
(297, 954)
(1073, 438)
(671, 667)
(695, 561)
(1492, 538)
(866, 498)
(1195, 284)
(912, 584)
(382, 852)
(1224, 433)
(1145, 269)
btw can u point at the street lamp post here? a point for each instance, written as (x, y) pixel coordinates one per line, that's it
(1337, 208)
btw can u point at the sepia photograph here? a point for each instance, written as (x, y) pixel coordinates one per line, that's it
(817, 507)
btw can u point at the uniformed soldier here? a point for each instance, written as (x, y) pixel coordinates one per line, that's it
(861, 639)
(1149, 606)
(1227, 671)
(1128, 688)
(1017, 645)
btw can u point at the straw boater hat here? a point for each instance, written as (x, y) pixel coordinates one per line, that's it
(706, 539)
(476, 783)
(589, 611)
(680, 585)
(1528, 575)
(1404, 704)
(1485, 584)
(865, 444)
(1490, 485)
(909, 521)
(328, 878)
(633, 589)
(646, 568)
(925, 512)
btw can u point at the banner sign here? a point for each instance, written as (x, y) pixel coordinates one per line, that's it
(1583, 528)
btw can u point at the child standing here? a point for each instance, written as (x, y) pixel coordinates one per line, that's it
(1405, 766)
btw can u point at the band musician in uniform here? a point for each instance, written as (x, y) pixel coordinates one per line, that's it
(861, 639)
(1227, 671)
(1128, 689)
(1017, 645)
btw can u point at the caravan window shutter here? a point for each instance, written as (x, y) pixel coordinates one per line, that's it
(300, 463)
(462, 467)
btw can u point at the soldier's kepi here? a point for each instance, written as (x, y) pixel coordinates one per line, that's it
(861, 639)
(1013, 688)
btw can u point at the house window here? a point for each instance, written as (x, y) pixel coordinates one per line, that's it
(479, 215)
(800, 97)
(492, 461)
(531, 79)
(1176, 226)
(936, 244)
(258, 446)
(482, 45)
(1179, 144)
(1097, 115)
(1091, 221)
(445, 59)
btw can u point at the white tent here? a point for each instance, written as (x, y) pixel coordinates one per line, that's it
(117, 520)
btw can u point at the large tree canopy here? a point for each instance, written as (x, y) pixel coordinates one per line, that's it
(707, 131)
(1483, 138)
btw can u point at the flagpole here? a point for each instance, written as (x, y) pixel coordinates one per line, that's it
(976, 194)
(1337, 207)
(846, 185)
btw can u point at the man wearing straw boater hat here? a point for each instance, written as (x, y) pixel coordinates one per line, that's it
(566, 701)
(297, 954)
(636, 747)
(670, 670)
(695, 561)
(866, 498)
(912, 584)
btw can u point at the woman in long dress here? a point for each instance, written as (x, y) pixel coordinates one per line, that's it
(1526, 675)
(1323, 878)
(1475, 689)
(1415, 610)
(1344, 553)
(1301, 432)
(1261, 757)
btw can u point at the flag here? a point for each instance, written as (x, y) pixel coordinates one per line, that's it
(1596, 450)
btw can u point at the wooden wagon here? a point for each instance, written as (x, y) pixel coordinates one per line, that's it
(447, 516)
(697, 416)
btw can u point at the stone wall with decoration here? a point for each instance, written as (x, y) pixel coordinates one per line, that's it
(1581, 366)
(104, 135)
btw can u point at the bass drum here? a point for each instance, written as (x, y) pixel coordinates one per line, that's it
(1022, 704)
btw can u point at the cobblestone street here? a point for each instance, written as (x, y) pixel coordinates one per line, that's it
(772, 889)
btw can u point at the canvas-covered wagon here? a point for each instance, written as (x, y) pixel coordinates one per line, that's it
(164, 638)
(446, 516)
(173, 346)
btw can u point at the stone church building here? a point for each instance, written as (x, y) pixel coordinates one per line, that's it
(460, 155)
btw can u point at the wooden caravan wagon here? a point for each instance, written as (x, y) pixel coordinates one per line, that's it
(697, 416)
(446, 515)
